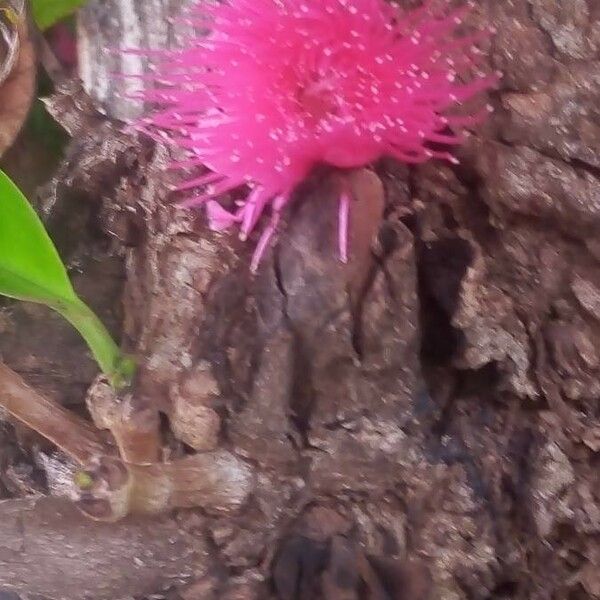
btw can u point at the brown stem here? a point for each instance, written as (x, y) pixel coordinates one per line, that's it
(17, 87)
(71, 434)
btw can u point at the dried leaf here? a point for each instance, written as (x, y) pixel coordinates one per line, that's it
(17, 71)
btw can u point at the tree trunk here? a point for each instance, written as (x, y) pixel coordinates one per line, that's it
(423, 423)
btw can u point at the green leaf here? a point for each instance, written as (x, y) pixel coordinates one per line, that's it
(31, 269)
(48, 12)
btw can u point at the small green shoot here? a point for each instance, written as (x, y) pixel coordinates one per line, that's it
(83, 480)
(31, 270)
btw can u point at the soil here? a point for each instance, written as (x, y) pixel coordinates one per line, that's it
(422, 424)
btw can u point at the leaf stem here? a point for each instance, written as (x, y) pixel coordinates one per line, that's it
(117, 366)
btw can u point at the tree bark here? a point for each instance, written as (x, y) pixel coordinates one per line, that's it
(49, 549)
(107, 27)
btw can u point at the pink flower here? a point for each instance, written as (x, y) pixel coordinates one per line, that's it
(279, 86)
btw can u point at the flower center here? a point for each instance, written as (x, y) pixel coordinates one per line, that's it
(317, 102)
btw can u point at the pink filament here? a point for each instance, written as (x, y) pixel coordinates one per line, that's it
(343, 220)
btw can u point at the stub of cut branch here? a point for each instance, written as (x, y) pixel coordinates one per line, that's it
(217, 481)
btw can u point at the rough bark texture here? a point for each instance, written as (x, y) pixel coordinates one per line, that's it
(427, 425)
(49, 549)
